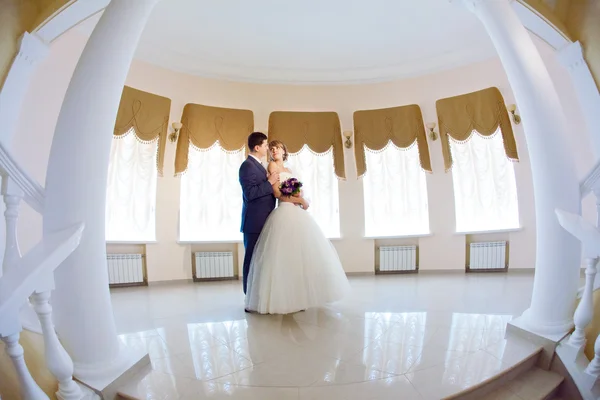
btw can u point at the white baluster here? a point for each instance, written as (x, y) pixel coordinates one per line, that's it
(12, 198)
(593, 367)
(29, 389)
(585, 310)
(58, 361)
(597, 195)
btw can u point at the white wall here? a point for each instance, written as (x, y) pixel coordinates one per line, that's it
(169, 260)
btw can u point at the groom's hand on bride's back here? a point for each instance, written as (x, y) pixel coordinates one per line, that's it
(273, 178)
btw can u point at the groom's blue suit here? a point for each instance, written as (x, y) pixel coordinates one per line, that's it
(259, 201)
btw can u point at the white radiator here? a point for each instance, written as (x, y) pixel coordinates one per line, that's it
(398, 258)
(214, 265)
(125, 268)
(487, 255)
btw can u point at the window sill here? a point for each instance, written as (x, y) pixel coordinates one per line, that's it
(417, 235)
(508, 230)
(131, 242)
(224, 241)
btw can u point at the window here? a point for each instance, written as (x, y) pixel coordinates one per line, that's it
(320, 185)
(131, 190)
(211, 196)
(395, 193)
(485, 191)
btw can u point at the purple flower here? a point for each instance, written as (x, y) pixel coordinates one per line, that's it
(290, 187)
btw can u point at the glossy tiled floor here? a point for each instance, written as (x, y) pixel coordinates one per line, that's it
(396, 337)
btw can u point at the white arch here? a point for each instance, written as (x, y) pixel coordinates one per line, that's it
(539, 26)
(67, 17)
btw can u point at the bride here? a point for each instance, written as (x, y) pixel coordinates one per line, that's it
(294, 265)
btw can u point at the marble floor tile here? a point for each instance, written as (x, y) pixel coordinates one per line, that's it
(408, 337)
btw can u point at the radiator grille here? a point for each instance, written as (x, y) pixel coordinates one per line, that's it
(214, 265)
(487, 255)
(397, 258)
(125, 269)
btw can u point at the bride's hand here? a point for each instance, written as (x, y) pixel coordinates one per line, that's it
(304, 204)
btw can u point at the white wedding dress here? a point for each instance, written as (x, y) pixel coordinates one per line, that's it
(294, 266)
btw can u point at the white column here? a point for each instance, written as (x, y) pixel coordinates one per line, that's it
(31, 50)
(555, 181)
(586, 90)
(76, 186)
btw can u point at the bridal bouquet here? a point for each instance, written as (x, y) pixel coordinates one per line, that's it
(290, 187)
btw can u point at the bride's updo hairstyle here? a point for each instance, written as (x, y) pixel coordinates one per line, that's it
(278, 143)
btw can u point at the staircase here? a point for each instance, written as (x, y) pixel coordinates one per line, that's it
(534, 384)
(525, 380)
(27, 283)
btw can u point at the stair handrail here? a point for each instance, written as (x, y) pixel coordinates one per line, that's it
(591, 181)
(21, 281)
(34, 193)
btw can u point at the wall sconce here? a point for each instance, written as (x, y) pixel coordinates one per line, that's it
(430, 128)
(176, 127)
(348, 142)
(512, 108)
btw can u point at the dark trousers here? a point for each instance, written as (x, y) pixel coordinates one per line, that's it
(250, 240)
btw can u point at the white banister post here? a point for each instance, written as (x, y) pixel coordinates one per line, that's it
(593, 367)
(585, 309)
(13, 195)
(29, 388)
(58, 361)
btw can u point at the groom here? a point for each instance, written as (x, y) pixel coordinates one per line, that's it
(257, 193)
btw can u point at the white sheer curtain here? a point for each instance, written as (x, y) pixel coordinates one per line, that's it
(395, 193)
(211, 196)
(485, 190)
(131, 190)
(320, 185)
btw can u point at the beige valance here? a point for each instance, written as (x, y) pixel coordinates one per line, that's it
(482, 111)
(319, 130)
(148, 115)
(203, 126)
(402, 126)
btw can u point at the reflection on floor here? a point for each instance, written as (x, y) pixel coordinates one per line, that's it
(408, 337)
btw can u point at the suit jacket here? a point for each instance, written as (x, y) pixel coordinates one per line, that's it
(257, 194)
